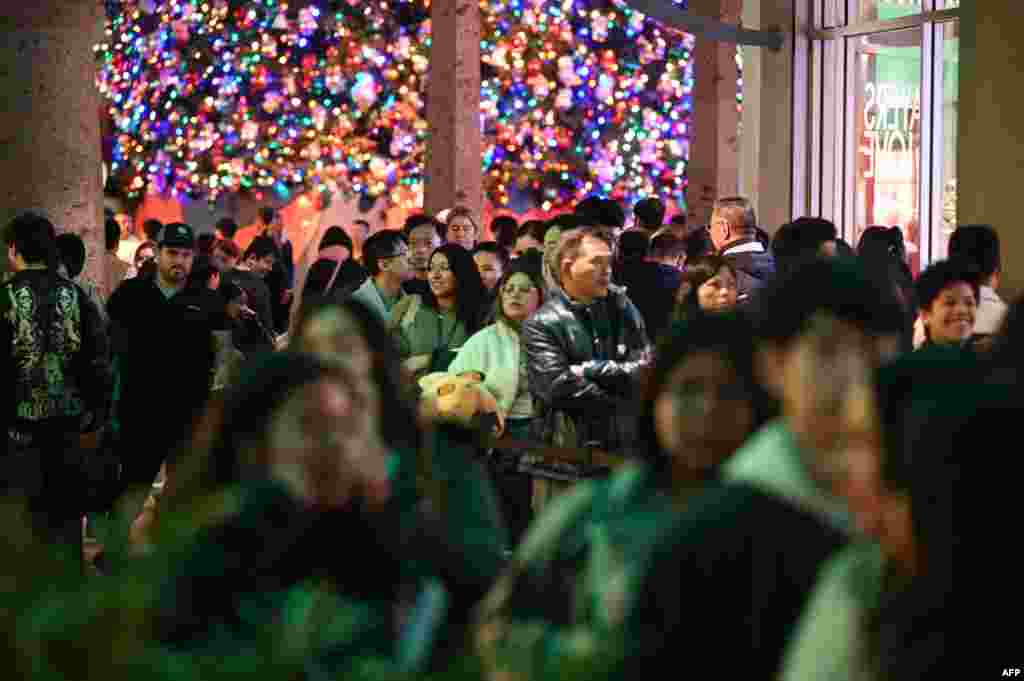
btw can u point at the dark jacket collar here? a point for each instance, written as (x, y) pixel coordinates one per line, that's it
(614, 292)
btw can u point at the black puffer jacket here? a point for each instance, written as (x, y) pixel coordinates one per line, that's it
(562, 334)
(753, 269)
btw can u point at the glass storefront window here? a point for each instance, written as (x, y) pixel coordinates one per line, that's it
(833, 13)
(887, 186)
(949, 91)
(881, 10)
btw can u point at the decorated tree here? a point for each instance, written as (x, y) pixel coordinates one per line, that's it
(584, 96)
(211, 96)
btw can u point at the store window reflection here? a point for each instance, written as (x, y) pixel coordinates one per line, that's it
(888, 114)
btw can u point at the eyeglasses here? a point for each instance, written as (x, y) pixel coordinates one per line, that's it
(440, 269)
(513, 290)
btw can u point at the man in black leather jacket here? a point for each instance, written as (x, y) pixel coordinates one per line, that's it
(585, 347)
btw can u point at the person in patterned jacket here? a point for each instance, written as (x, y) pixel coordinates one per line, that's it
(55, 366)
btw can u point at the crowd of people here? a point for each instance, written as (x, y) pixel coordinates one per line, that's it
(578, 449)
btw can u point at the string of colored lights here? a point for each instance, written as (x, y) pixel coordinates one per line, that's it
(209, 96)
(213, 96)
(584, 96)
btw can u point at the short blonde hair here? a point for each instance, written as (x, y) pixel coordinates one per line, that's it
(738, 212)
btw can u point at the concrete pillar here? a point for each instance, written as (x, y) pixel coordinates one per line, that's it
(50, 157)
(454, 148)
(770, 173)
(750, 117)
(990, 153)
(714, 152)
(782, 188)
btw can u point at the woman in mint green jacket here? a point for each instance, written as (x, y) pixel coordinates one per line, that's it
(496, 355)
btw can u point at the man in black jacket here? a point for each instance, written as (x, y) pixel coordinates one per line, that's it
(585, 346)
(165, 347)
(55, 365)
(733, 230)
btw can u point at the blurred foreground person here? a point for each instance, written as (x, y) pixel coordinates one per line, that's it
(745, 553)
(559, 608)
(881, 608)
(294, 462)
(447, 511)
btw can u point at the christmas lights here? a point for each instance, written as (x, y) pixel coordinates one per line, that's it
(213, 96)
(584, 96)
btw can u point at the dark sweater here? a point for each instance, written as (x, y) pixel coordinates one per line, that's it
(732, 575)
(248, 337)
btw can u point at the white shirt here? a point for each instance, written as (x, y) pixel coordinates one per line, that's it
(126, 249)
(991, 311)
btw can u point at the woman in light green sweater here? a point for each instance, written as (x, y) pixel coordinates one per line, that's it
(495, 354)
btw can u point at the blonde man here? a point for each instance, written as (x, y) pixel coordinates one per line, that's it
(733, 231)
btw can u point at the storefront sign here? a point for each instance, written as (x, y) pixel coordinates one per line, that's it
(892, 117)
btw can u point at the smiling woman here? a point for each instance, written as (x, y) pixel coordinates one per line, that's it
(430, 329)
(947, 296)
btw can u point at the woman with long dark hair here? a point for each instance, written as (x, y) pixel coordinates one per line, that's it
(430, 330)
(708, 286)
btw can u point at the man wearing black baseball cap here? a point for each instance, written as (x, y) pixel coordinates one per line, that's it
(174, 261)
(164, 344)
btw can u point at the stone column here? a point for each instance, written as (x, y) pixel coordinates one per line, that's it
(50, 156)
(780, 165)
(714, 152)
(990, 141)
(454, 148)
(750, 117)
